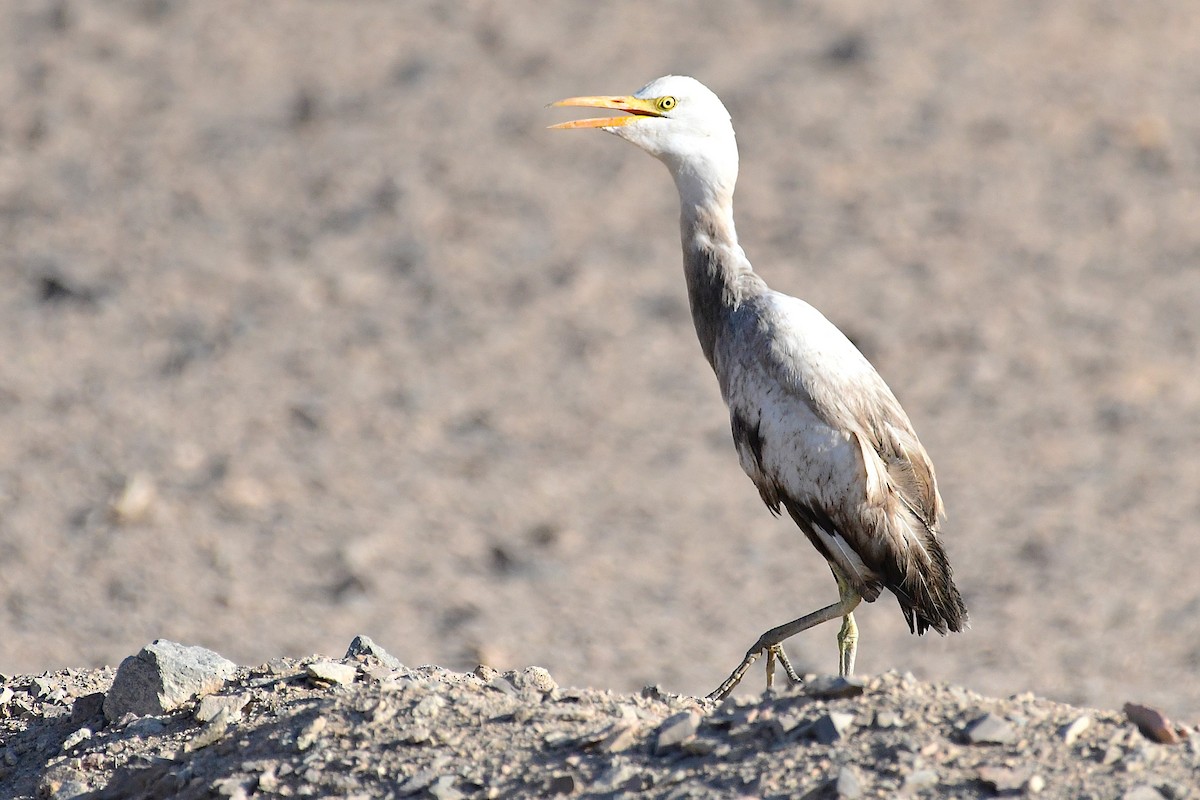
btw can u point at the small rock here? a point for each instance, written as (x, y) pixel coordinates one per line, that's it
(143, 727)
(532, 679)
(212, 732)
(48, 690)
(62, 783)
(1035, 784)
(232, 787)
(332, 672)
(136, 500)
(848, 784)
(1002, 779)
(991, 729)
(1153, 724)
(503, 685)
(213, 704)
(786, 723)
(563, 784)
(921, 779)
(698, 747)
(75, 738)
(1143, 792)
(423, 779)
(429, 706)
(485, 673)
(1173, 791)
(164, 676)
(887, 719)
(616, 778)
(417, 734)
(268, 781)
(443, 788)
(310, 734)
(829, 687)
(87, 708)
(618, 738)
(364, 646)
(832, 727)
(675, 729)
(1070, 733)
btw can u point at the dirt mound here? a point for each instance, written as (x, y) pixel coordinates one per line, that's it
(308, 326)
(366, 726)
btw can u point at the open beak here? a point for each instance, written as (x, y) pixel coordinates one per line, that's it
(633, 106)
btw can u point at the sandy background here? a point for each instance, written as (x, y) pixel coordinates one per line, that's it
(309, 328)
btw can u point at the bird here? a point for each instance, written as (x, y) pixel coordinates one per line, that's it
(815, 426)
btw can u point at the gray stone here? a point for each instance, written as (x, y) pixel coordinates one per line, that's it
(212, 732)
(1070, 733)
(62, 782)
(75, 738)
(887, 719)
(991, 729)
(364, 646)
(443, 788)
(87, 708)
(164, 676)
(563, 784)
(311, 733)
(532, 679)
(1173, 791)
(210, 706)
(332, 672)
(503, 685)
(675, 729)
(848, 784)
(921, 779)
(1143, 792)
(1002, 779)
(429, 706)
(833, 686)
(143, 727)
(619, 737)
(831, 727)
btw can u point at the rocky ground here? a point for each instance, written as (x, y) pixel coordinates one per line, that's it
(308, 326)
(366, 726)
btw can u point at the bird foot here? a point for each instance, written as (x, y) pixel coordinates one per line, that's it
(774, 654)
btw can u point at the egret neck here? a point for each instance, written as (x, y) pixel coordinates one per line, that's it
(719, 276)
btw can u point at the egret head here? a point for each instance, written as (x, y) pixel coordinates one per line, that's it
(679, 121)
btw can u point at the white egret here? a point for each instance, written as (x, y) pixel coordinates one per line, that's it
(815, 426)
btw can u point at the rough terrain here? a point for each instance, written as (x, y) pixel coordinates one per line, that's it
(309, 327)
(366, 726)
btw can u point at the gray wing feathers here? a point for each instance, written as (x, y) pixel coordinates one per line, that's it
(883, 504)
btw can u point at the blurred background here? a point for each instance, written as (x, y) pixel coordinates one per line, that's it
(309, 328)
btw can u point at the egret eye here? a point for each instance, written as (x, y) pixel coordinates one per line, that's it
(666, 103)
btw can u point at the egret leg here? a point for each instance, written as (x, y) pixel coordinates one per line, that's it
(848, 636)
(788, 669)
(770, 641)
(776, 654)
(847, 646)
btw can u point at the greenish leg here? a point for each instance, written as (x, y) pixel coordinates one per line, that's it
(770, 643)
(848, 636)
(847, 646)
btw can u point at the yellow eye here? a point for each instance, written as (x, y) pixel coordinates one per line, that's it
(666, 103)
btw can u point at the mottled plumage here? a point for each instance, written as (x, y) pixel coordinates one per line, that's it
(816, 428)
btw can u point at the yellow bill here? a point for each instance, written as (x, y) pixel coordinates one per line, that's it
(633, 106)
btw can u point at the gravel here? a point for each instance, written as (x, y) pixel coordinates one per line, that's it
(273, 731)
